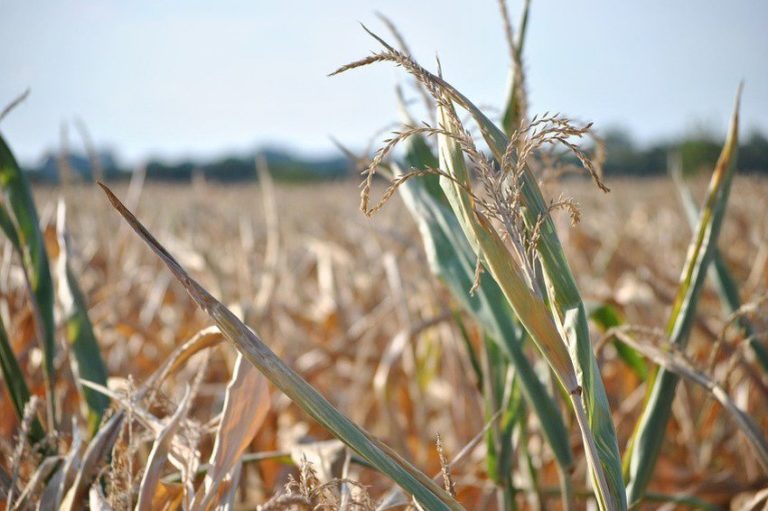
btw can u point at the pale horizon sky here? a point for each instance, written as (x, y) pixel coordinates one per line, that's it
(199, 79)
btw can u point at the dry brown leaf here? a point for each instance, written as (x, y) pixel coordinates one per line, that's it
(245, 407)
(158, 456)
(99, 448)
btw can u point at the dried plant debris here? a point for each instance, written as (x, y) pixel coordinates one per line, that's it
(511, 307)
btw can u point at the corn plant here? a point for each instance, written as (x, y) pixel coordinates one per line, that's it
(514, 316)
(21, 225)
(727, 288)
(649, 432)
(560, 332)
(533, 275)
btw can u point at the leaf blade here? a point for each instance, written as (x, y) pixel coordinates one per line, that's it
(649, 431)
(35, 261)
(293, 385)
(451, 259)
(87, 363)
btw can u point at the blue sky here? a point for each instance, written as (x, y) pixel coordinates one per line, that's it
(175, 78)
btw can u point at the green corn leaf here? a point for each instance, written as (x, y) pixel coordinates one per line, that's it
(676, 362)
(453, 260)
(493, 390)
(606, 316)
(424, 490)
(501, 393)
(532, 311)
(514, 111)
(564, 298)
(649, 432)
(531, 470)
(474, 360)
(17, 385)
(419, 155)
(719, 273)
(87, 362)
(35, 261)
(567, 302)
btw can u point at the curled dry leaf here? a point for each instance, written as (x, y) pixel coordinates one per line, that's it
(246, 404)
(293, 385)
(98, 449)
(159, 454)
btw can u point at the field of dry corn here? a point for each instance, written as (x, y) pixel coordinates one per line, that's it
(350, 304)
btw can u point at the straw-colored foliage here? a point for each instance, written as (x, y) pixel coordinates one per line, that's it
(493, 338)
(334, 317)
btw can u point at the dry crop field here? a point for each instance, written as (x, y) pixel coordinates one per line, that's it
(336, 302)
(467, 328)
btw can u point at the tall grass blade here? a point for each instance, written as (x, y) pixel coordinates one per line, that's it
(530, 467)
(515, 109)
(424, 490)
(498, 395)
(86, 361)
(650, 429)
(607, 317)
(530, 309)
(568, 307)
(726, 285)
(35, 261)
(453, 260)
(13, 104)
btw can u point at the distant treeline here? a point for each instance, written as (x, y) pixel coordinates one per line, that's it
(283, 166)
(623, 157)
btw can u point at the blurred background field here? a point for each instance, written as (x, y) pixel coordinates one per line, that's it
(345, 287)
(502, 335)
